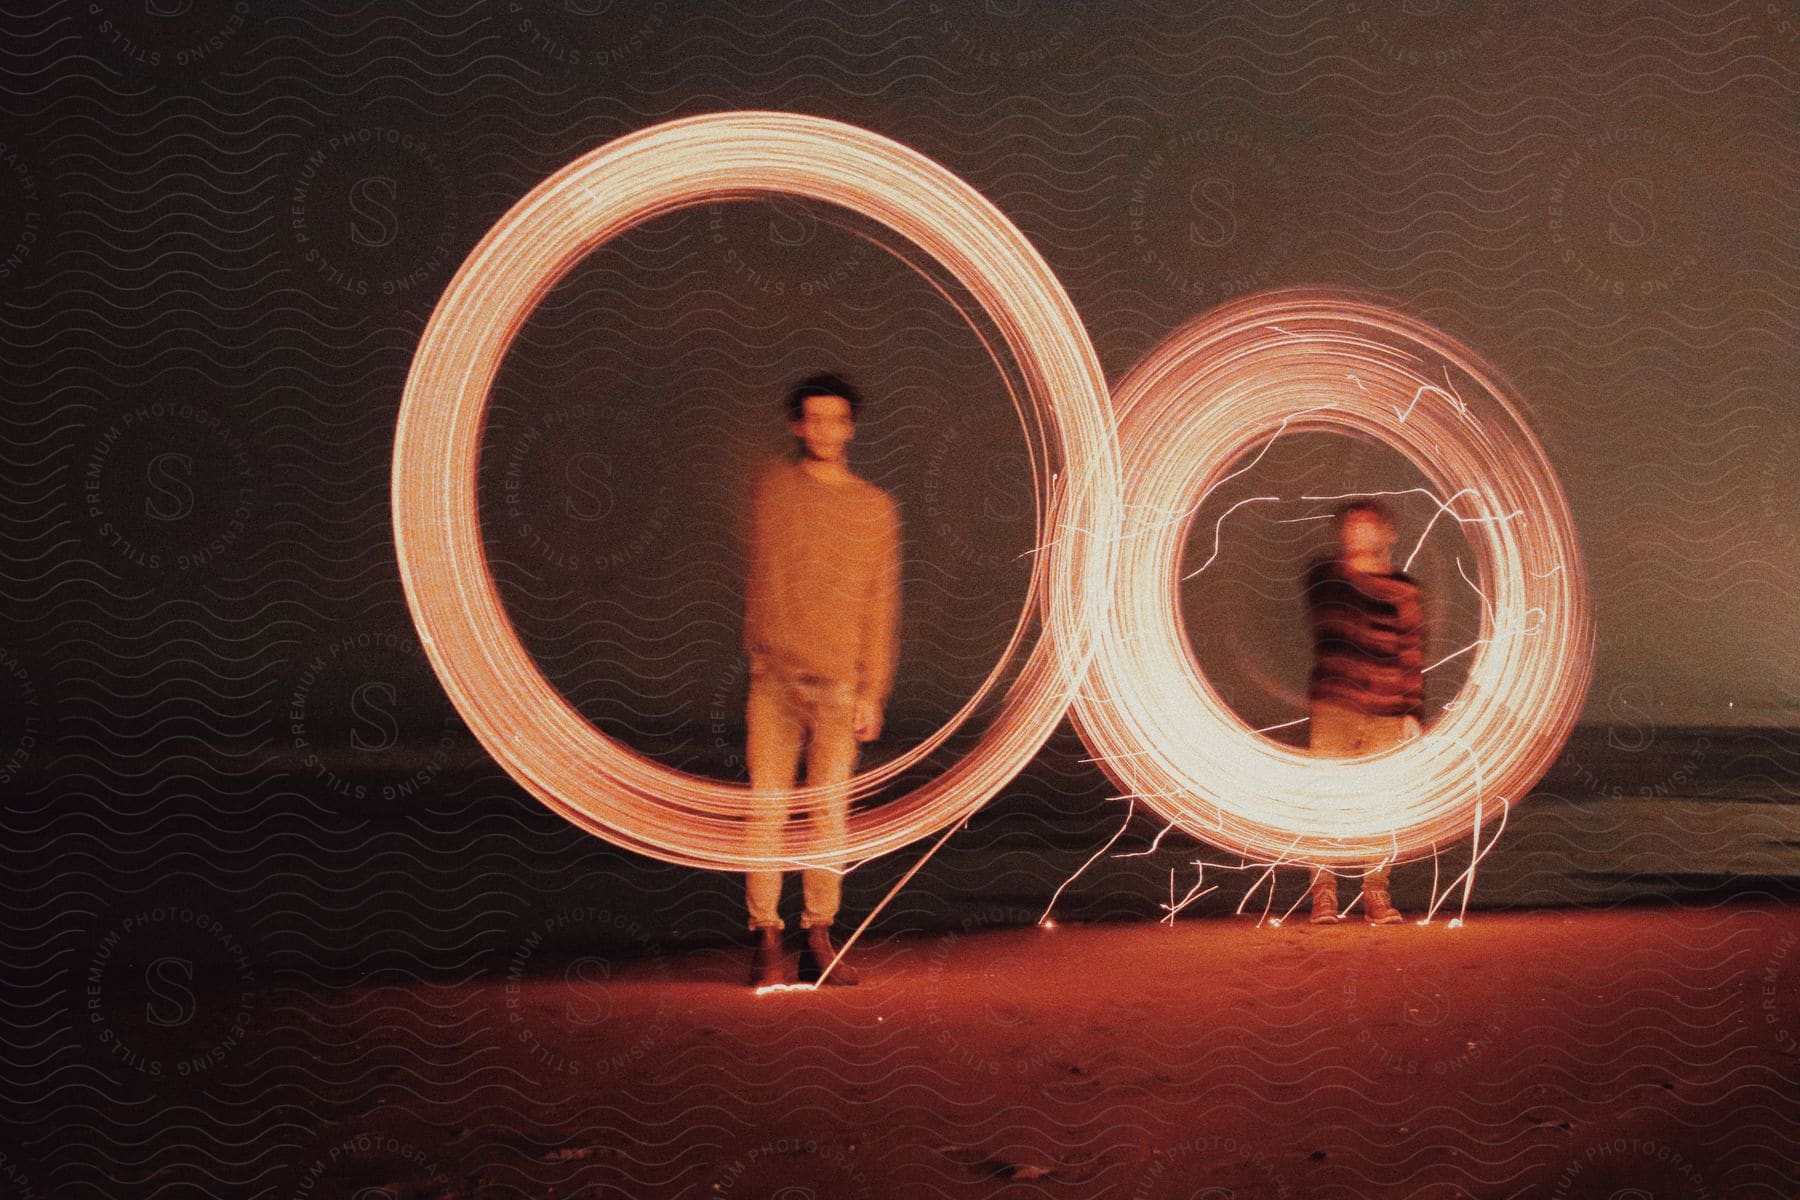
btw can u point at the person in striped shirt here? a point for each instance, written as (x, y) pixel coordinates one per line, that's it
(1366, 691)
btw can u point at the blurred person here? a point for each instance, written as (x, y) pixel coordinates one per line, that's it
(821, 620)
(1366, 691)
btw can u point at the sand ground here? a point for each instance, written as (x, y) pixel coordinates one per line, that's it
(1530, 1054)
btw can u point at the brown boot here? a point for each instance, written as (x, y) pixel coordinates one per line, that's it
(1324, 900)
(817, 956)
(768, 965)
(1378, 907)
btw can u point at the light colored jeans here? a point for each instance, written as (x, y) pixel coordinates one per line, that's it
(786, 715)
(1340, 731)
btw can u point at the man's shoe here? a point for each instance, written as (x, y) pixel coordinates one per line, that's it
(817, 956)
(768, 965)
(1325, 906)
(1378, 907)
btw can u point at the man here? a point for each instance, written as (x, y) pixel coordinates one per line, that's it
(1367, 687)
(821, 617)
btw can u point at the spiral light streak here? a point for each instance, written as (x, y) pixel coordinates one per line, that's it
(1220, 388)
(522, 720)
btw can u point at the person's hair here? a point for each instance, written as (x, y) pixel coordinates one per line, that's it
(1364, 507)
(823, 384)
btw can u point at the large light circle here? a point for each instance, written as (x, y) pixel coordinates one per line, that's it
(1190, 413)
(522, 720)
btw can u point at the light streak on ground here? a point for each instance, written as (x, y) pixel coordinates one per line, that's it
(1130, 811)
(1221, 388)
(850, 941)
(522, 720)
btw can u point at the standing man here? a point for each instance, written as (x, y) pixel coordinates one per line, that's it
(1367, 687)
(821, 619)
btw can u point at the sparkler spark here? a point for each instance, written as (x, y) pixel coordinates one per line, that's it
(509, 705)
(1301, 360)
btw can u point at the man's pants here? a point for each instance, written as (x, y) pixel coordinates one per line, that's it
(784, 716)
(1340, 731)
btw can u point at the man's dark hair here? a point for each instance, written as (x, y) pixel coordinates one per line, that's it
(823, 384)
(1365, 507)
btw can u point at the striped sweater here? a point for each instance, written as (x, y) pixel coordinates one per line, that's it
(1368, 640)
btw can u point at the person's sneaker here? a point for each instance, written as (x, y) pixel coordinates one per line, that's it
(1378, 907)
(1325, 906)
(817, 956)
(768, 965)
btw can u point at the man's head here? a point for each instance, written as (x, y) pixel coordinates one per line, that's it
(1365, 531)
(822, 414)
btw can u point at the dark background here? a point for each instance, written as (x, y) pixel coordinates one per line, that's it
(224, 225)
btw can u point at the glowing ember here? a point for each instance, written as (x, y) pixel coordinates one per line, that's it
(1224, 386)
(535, 734)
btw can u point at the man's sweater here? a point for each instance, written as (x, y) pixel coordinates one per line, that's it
(823, 597)
(1368, 640)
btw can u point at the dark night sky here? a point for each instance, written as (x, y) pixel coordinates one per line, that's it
(245, 221)
(229, 226)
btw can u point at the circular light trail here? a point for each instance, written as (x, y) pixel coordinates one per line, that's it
(522, 720)
(1219, 389)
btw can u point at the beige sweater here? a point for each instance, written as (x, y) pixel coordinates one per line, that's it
(823, 597)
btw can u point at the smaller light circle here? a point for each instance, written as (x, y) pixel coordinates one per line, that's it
(1209, 395)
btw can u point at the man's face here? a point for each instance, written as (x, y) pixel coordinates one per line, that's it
(1366, 535)
(824, 427)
